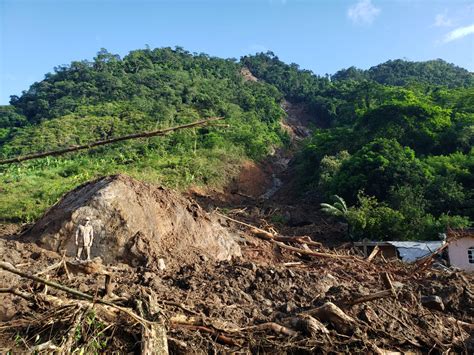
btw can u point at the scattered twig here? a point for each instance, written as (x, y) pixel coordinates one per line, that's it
(10, 268)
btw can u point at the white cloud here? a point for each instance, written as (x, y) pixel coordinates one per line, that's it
(441, 20)
(364, 12)
(459, 33)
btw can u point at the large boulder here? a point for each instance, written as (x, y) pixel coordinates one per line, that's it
(136, 223)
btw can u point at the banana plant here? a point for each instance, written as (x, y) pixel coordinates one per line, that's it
(339, 209)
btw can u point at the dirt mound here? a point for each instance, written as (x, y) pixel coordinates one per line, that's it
(136, 223)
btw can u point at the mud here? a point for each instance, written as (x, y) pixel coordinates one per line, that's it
(134, 222)
(234, 297)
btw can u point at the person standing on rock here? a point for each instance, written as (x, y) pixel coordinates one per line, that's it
(84, 238)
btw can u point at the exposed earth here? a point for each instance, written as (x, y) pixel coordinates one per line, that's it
(255, 268)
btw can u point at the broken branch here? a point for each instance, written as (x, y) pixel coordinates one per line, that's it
(371, 297)
(271, 238)
(108, 141)
(8, 267)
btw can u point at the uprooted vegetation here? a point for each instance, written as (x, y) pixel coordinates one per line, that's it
(284, 292)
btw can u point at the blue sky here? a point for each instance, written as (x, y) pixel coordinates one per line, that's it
(321, 35)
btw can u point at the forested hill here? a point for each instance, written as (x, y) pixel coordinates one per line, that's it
(401, 72)
(397, 144)
(111, 96)
(402, 155)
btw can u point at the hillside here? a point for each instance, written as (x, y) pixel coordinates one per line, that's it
(400, 154)
(235, 236)
(146, 90)
(402, 72)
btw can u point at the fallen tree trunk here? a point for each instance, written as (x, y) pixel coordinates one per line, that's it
(274, 239)
(161, 132)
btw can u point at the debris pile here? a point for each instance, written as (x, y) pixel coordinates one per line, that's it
(281, 294)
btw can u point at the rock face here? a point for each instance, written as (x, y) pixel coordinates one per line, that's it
(135, 223)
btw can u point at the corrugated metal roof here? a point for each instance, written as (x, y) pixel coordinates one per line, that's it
(412, 251)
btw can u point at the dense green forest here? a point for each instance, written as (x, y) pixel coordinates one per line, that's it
(397, 147)
(395, 141)
(108, 97)
(401, 72)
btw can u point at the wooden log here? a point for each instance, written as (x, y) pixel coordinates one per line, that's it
(161, 132)
(331, 313)
(373, 253)
(154, 340)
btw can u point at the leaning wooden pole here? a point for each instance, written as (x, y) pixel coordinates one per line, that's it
(161, 132)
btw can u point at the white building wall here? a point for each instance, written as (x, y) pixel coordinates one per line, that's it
(458, 253)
